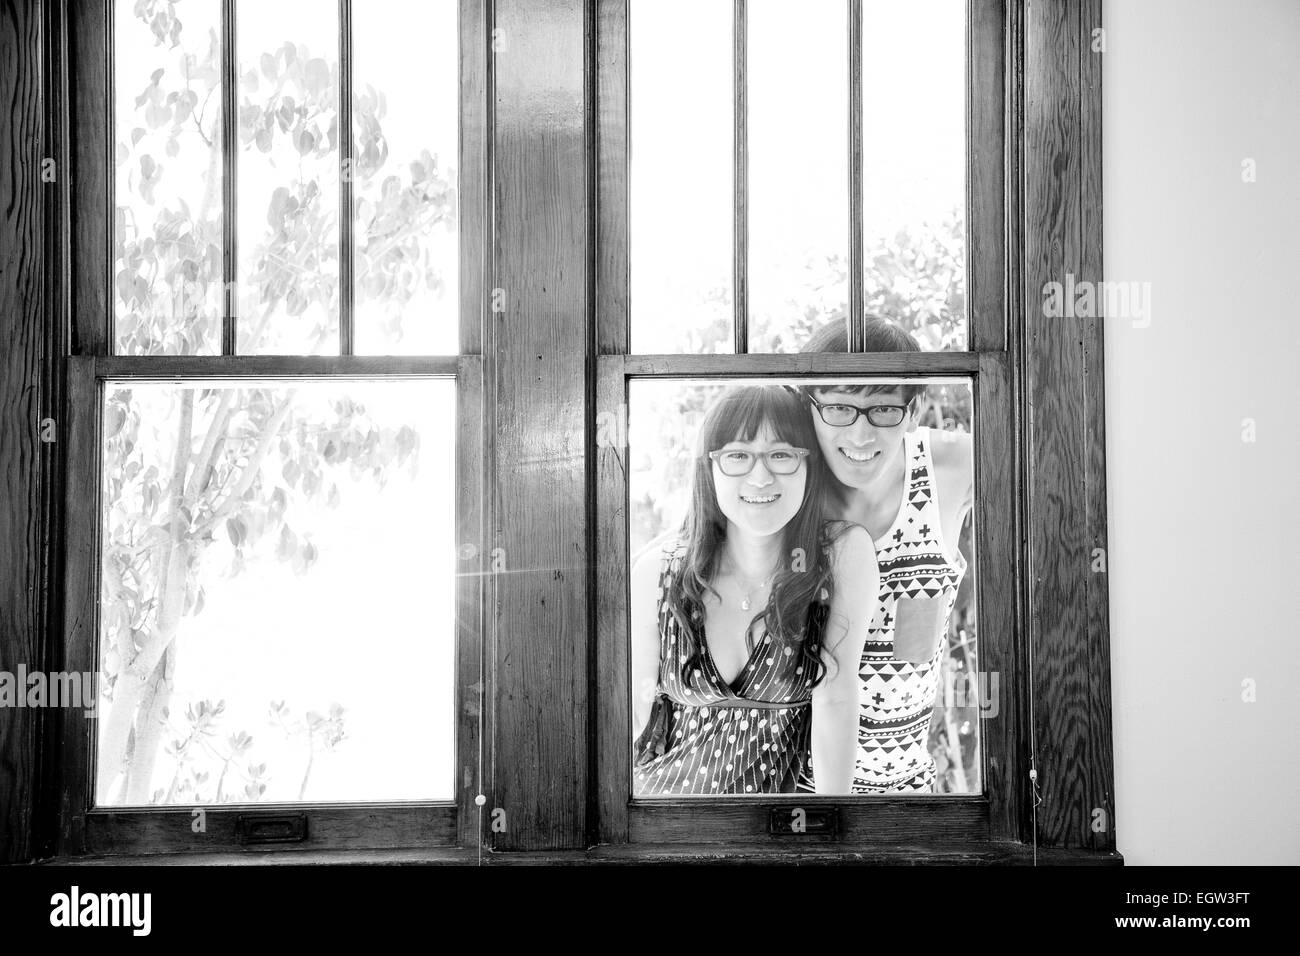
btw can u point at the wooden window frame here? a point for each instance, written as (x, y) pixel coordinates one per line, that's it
(1009, 362)
(84, 828)
(543, 142)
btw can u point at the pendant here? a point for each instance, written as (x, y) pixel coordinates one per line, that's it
(744, 605)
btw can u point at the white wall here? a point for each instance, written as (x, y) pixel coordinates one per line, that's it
(1203, 525)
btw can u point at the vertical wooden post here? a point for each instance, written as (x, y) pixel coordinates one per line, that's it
(1069, 640)
(24, 456)
(536, 349)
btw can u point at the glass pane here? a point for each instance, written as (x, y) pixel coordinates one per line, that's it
(272, 627)
(167, 295)
(288, 178)
(405, 106)
(713, 714)
(914, 167)
(681, 196)
(798, 171)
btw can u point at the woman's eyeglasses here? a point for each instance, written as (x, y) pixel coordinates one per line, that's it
(841, 414)
(780, 461)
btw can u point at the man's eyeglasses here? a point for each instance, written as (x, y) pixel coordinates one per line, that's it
(735, 463)
(841, 414)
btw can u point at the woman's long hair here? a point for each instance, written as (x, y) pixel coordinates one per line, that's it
(801, 591)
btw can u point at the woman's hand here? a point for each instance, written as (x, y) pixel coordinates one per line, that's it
(856, 574)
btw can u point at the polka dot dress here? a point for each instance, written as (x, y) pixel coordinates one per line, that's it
(710, 737)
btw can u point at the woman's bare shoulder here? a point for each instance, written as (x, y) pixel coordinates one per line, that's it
(849, 544)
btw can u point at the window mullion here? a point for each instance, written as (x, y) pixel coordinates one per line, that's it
(740, 179)
(857, 265)
(229, 148)
(346, 260)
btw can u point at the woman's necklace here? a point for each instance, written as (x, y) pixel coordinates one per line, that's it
(746, 601)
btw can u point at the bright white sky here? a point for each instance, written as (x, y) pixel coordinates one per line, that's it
(681, 143)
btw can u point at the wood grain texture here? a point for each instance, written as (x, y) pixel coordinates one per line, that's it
(538, 349)
(74, 743)
(740, 175)
(329, 826)
(57, 331)
(986, 243)
(809, 363)
(612, 125)
(91, 176)
(998, 569)
(229, 177)
(22, 332)
(475, 164)
(857, 249)
(920, 854)
(1070, 646)
(921, 820)
(347, 211)
(613, 673)
(217, 367)
(472, 677)
(1100, 794)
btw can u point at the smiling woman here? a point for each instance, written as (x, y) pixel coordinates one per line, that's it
(744, 635)
(737, 491)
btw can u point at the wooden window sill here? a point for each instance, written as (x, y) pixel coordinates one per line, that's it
(996, 854)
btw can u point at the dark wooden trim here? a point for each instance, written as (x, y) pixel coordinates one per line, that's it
(953, 854)
(474, 211)
(23, 460)
(473, 677)
(229, 177)
(329, 826)
(998, 569)
(81, 594)
(347, 211)
(1065, 490)
(90, 91)
(56, 337)
(85, 829)
(473, 685)
(478, 332)
(612, 673)
(1039, 430)
(611, 162)
(987, 58)
(857, 252)
(740, 175)
(1101, 791)
(829, 363)
(164, 367)
(538, 348)
(924, 820)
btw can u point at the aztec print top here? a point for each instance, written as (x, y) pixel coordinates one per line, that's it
(918, 587)
(706, 736)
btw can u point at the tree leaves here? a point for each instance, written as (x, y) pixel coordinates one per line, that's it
(316, 76)
(150, 173)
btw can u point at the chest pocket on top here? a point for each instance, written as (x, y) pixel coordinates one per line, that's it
(917, 628)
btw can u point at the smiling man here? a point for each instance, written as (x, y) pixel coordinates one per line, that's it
(912, 489)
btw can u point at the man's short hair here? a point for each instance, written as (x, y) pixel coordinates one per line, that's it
(881, 335)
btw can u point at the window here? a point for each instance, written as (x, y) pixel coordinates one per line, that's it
(843, 205)
(866, 148)
(835, 197)
(615, 244)
(274, 440)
